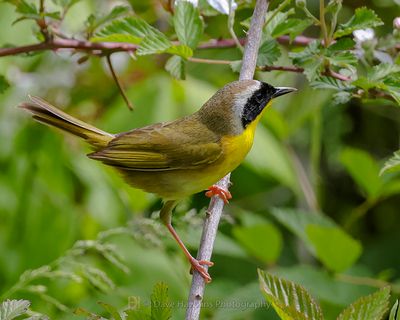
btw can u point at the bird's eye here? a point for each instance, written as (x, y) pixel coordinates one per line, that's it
(259, 97)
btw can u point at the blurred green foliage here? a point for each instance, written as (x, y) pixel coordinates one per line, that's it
(309, 203)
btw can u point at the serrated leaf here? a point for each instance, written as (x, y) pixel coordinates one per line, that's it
(290, 301)
(342, 97)
(116, 12)
(4, 85)
(371, 307)
(180, 50)
(263, 241)
(392, 165)
(381, 71)
(330, 83)
(311, 59)
(363, 169)
(268, 53)
(176, 67)
(334, 248)
(160, 304)
(293, 27)
(343, 59)
(97, 278)
(236, 65)
(188, 24)
(137, 315)
(130, 29)
(395, 312)
(363, 18)
(273, 19)
(11, 309)
(22, 6)
(342, 44)
(111, 310)
(153, 44)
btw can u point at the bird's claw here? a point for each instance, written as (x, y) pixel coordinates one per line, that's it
(198, 266)
(215, 190)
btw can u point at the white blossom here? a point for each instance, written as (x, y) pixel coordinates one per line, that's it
(363, 35)
(222, 6)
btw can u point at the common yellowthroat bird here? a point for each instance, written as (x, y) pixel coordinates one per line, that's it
(179, 158)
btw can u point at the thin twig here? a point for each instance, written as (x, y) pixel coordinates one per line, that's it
(216, 206)
(209, 61)
(366, 281)
(119, 84)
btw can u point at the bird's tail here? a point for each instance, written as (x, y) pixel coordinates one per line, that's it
(48, 114)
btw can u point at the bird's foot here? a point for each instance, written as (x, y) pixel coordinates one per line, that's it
(198, 266)
(215, 190)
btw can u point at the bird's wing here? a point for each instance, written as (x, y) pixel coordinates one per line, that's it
(182, 144)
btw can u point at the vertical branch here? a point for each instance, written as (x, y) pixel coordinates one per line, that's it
(216, 206)
(323, 23)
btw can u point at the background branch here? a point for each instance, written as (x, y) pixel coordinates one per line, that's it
(119, 84)
(216, 206)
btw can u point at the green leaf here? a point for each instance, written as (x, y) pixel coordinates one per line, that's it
(342, 97)
(188, 24)
(111, 310)
(97, 278)
(268, 53)
(160, 304)
(342, 44)
(263, 241)
(395, 312)
(273, 19)
(94, 22)
(4, 85)
(311, 59)
(130, 29)
(236, 65)
(290, 301)
(297, 220)
(176, 67)
(11, 309)
(343, 59)
(137, 315)
(22, 6)
(363, 169)
(392, 165)
(334, 248)
(317, 232)
(371, 307)
(153, 44)
(363, 18)
(292, 26)
(330, 83)
(180, 50)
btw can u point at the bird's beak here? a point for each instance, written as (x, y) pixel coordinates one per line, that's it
(280, 91)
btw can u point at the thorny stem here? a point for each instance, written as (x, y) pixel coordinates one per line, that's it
(216, 204)
(118, 83)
